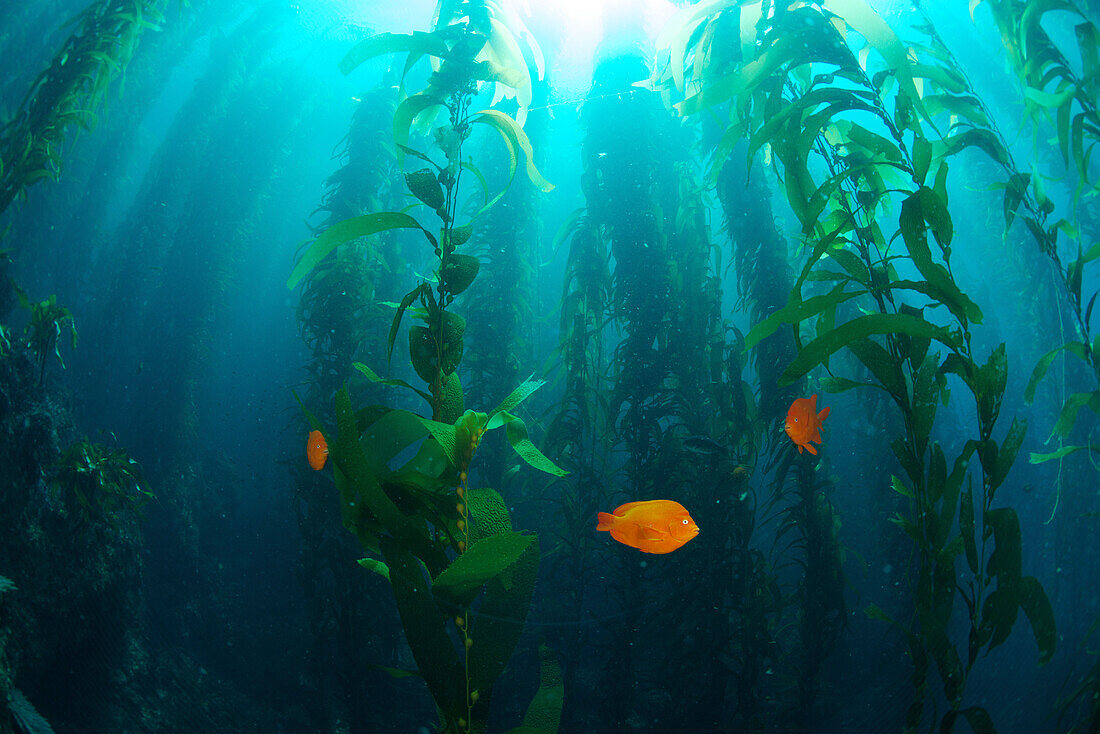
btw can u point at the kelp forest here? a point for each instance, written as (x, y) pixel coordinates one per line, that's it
(334, 335)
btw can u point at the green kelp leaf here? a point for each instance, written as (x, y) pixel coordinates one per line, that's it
(798, 310)
(515, 138)
(544, 712)
(833, 240)
(852, 264)
(6, 585)
(407, 301)
(406, 112)
(461, 582)
(1077, 348)
(347, 453)
(913, 217)
(820, 349)
(966, 529)
(1005, 562)
(980, 138)
(395, 672)
(452, 402)
(310, 418)
(1072, 406)
(389, 437)
(459, 272)
(484, 184)
(460, 236)
(373, 377)
(989, 385)
(425, 629)
(373, 564)
(1064, 451)
(346, 231)
(843, 384)
(1006, 456)
(444, 434)
(516, 431)
(501, 616)
(1036, 605)
(876, 359)
(1000, 609)
(979, 720)
(922, 159)
(910, 463)
(864, 20)
(488, 512)
(976, 717)
(900, 487)
(425, 186)
(454, 327)
(517, 396)
(934, 210)
(999, 613)
(422, 352)
(418, 42)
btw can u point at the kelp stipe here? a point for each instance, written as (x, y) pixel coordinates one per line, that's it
(458, 571)
(788, 113)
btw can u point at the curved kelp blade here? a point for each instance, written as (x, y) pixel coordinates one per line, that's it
(389, 382)
(362, 489)
(517, 396)
(515, 138)
(425, 632)
(544, 712)
(488, 513)
(501, 616)
(461, 582)
(418, 42)
(346, 231)
(819, 350)
(516, 431)
(797, 310)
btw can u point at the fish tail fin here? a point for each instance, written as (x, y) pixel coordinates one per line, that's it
(605, 521)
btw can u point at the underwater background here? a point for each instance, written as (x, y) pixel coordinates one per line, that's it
(327, 329)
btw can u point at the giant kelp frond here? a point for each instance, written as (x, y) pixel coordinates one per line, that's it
(98, 484)
(71, 90)
(1055, 91)
(1073, 104)
(835, 101)
(402, 478)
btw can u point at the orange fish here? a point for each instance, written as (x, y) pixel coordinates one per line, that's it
(804, 423)
(654, 526)
(317, 450)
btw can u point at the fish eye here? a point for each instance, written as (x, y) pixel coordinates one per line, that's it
(685, 521)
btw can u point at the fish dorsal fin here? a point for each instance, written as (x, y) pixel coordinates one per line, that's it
(650, 532)
(623, 509)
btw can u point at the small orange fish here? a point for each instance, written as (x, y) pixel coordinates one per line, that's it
(804, 423)
(654, 526)
(317, 450)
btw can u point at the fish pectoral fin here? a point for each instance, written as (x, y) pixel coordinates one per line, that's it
(651, 533)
